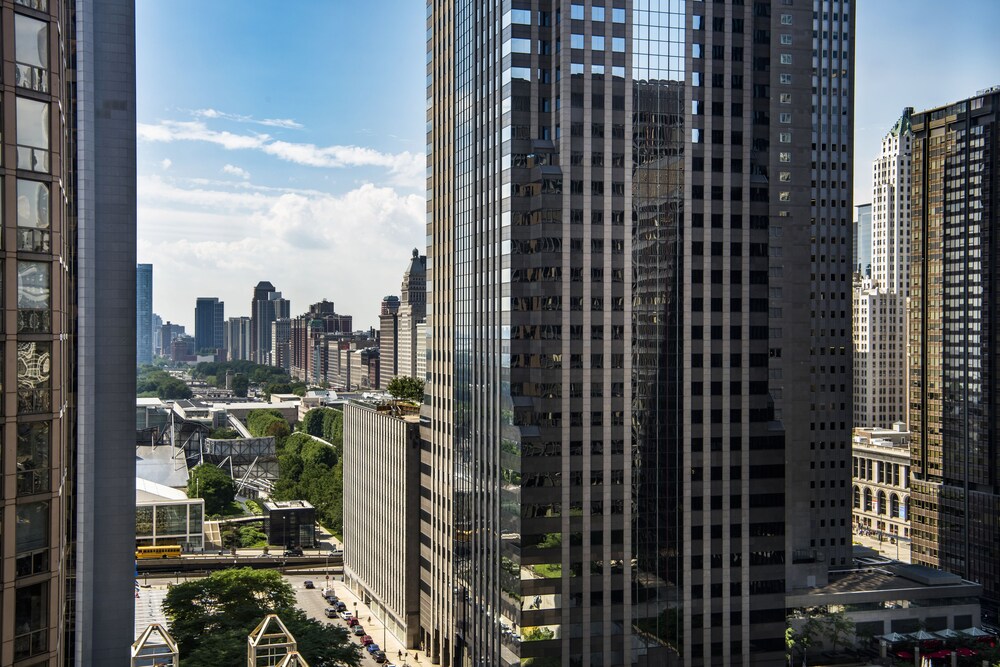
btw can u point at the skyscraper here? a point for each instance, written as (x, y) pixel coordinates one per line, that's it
(143, 314)
(880, 337)
(209, 314)
(236, 337)
(637, 326)
(863, 240)
(954, 450)
(267, 305)
(68, 532)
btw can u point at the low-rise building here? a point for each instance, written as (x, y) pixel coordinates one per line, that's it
(290, 523)
(381, 513)
(165, 516)
(881, 480)
(882, 596)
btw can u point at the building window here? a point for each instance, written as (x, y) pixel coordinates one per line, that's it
(32, 538)
(786, 58)
(33, 297)
(32, 216)
(34, 374)
(784, 157)
(785, 137)
(32, 458)
(785, 79)
(785, 118)
(31, 620)
(786, 19)
(785, 176)
(31, 51)
(786, 98)
(32, 135)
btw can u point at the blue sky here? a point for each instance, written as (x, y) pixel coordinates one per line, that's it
(285, 141)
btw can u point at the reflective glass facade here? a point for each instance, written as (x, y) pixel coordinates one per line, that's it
(954, 451)
(611, 187)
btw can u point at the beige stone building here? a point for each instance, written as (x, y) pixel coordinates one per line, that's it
(881, 480)
(381, 520)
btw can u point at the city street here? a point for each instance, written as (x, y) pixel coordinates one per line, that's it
(312, 602)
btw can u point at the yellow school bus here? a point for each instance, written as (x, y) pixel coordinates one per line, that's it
(165, 551)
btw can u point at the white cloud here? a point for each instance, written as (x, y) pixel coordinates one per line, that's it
(406, 168)
(236, 171)
(286, 123)
(165, 163)
(350, 248)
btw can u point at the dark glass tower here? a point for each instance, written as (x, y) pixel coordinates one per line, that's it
(143, 314)
(954, 450)
(622, 225)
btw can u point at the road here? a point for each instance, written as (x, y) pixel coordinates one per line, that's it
(312, 602)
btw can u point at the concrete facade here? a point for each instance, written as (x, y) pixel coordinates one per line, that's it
(381, 521)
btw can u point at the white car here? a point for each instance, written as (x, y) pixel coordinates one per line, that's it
(346, 615)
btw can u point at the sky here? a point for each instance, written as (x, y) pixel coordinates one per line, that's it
(284, 141)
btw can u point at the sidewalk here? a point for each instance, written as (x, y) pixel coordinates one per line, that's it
(389, 644)
(899, 551)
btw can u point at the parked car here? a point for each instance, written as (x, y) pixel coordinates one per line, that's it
(359, 631)
(346, 615)
(379, 656)
(330, 612)
(308, 583)
(372, 647)
(340, 606)
(366, 640)
(351, 622)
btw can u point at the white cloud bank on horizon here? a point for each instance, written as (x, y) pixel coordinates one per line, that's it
(205, 240)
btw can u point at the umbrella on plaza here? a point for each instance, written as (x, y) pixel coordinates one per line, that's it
(976, 632)
(893, 637)
(922, 636)
(947, 633)
(938, 654)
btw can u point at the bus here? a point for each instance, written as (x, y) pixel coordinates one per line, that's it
(164, 551)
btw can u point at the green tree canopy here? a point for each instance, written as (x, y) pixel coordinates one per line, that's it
(152, 381)
(406, 388)
(241, 384)
(214, 485)
(227, 605)
(268, 422)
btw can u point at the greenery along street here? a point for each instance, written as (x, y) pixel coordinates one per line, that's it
(210, 619)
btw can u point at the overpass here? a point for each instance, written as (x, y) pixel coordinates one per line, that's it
(202, 563)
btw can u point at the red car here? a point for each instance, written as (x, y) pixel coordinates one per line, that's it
(351, 622)
(366, 640)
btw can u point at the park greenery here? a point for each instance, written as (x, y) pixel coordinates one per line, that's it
(153, 382)
(224, 433)
(214, 486)
(214, 372)
(226, 607)
(308, 469)
(405, 388)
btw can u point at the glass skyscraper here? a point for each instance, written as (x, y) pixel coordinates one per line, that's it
(143, 314)
(638, 269)
(954, 449)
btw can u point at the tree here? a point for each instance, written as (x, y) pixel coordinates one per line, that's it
(837, 627)
(241, 384)
(406, 388)
(227, 605)
(212, 484)
(314, 420)
(224, 433)
(333, 428)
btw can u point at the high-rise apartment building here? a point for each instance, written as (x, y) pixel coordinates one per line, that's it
(638, 368)
(236, 337)
(280, 355)
(955, 454)
(209, 316)
(157, 333)
(70, 344)
(880, 297)
(388, 336)
(143, 314)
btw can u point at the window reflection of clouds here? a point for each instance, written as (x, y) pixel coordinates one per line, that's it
(658, 44)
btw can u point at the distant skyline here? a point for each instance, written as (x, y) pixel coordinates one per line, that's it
(285, 142)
